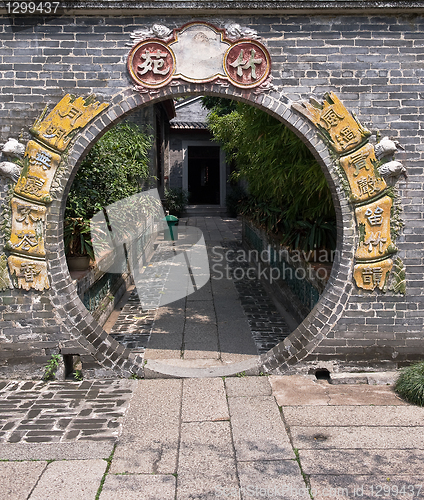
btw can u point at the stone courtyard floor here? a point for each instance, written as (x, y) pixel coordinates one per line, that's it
(184, 435)
(207, 438)
(220, 329)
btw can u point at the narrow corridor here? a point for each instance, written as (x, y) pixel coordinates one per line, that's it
(231, 320)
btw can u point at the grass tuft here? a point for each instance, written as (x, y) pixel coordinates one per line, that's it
(410, 384)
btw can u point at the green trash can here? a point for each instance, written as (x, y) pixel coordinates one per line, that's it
(171, 234)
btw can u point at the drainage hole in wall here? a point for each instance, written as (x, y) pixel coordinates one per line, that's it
(322, 374)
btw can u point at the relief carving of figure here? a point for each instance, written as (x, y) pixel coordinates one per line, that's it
(385, 151)
(12, 149)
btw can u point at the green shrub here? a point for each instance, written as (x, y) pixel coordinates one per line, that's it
(77, 237)
(410, 384)
(51, 367)
(233, 200)
(288, 192)
(176, 200)
(116, 167)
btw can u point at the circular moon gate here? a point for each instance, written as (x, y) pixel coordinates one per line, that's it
(107, 353)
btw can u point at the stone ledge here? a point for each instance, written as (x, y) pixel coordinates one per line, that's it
(285, 7)
(267, 7)
(374, 378)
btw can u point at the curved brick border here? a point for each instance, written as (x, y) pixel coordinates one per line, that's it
(112, 355)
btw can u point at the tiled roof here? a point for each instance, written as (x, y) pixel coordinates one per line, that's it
(188, 125)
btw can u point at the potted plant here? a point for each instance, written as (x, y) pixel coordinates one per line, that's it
(78, 244)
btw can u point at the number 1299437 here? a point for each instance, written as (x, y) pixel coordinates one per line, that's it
(32, 7)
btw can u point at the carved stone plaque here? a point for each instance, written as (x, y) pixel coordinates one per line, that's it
(37, 176)
(198, 53)
(27, 235)
(70, 114)
(363, 176)
(335, 122)
(152, 64)
(246, 64)
(28, 273)
(374, 223)
(371, 275)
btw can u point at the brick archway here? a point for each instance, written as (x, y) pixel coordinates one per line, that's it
(111, 355)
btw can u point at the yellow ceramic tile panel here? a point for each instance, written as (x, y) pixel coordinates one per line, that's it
(27, 228)
(69, 115)
(365, 181)
(335, 122)
(374, 226)
(28, 274)
(37, 176)
(370, 276)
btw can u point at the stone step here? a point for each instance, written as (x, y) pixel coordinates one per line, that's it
(204, 211)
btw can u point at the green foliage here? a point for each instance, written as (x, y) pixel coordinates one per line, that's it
(262, 213)
(176, 200)
(51, 367)
(307, 235)
(410, 384)
(116, 167)
(303, 235)
(78, 375)
(234, 199)
(288, 190)
(77, 237)
(218, 105)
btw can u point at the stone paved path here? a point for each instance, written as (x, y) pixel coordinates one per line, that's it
(240, 437)
(40, 412)
(197, 327)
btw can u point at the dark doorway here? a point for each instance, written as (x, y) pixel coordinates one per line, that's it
(203, 175)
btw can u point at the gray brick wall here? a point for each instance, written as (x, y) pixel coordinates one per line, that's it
(373, 62)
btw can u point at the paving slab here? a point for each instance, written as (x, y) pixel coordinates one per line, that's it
(140, 486)
(303, 390)
(298, 390)
(199, 351)
(372, 416)
(206, 461)
(362, 461)
(169, 318)
(357, 437)
(149, 440)
(200, 340)
(73, 479)
(79, 450)
(247, 386)
(202, 311)
(363, 394)
(204, 293)
(235, 338)
(272, 479)
(258, 430)
(165, 353)
(19, 478)
(204, 399)
(200, 332)
(366, 487)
